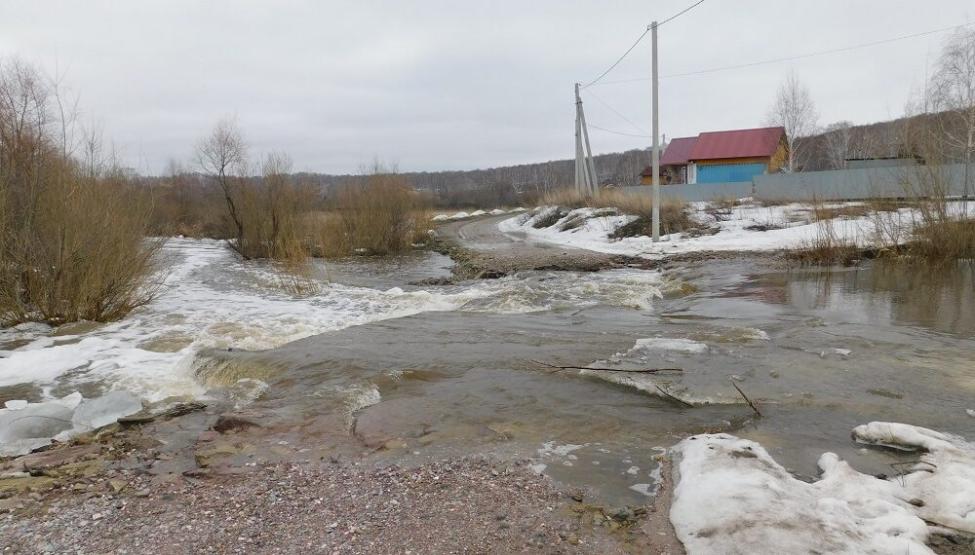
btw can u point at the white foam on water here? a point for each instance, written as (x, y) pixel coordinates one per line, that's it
(551, 448)
(210, 299)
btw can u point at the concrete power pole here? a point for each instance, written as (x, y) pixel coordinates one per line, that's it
(656, 145)
(585, 181)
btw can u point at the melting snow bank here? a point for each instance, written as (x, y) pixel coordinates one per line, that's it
(747, 227)
(732, 497)
(474, 214)
(27, 426)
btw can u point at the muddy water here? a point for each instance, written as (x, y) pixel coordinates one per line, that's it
(818, 351)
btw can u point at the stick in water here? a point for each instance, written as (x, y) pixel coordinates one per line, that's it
(637, 371)
(745, 397)
(673, 398)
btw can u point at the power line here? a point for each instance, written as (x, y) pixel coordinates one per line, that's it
(680, 13)
(617, 62)
(603, 129)
(615, 111)
(797, 57)
(635, 43)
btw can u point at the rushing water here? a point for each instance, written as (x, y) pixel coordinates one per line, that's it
(417, 371)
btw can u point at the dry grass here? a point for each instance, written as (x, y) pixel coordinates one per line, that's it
(821, 212)
(72, 233)
(827, 248)
(674, 214)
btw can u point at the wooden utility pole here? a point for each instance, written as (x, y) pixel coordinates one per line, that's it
(655, 157)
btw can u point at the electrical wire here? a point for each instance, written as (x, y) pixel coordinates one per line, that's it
(617, 62)
(603, 129)
(680, 13)
(615, 111)
(797, 57)
(635, 43)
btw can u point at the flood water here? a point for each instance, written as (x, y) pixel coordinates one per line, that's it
(402, 372)
(818, 351)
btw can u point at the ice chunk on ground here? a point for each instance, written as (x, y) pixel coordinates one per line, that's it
(25, 429)
(944, 479)
(732, 497)
(96, 413)
(497, 212)
(15, 404)
(478, 213)
(440, 217)
(28, 426)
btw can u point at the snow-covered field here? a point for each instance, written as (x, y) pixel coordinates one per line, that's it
(732, 497)
(748, 227)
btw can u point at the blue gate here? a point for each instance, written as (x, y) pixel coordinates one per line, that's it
(728, 173)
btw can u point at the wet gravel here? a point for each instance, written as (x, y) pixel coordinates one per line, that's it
(463, 506)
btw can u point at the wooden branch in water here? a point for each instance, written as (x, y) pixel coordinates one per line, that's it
(636, 371)
(179, 409)
(677, 400)
(745, 397)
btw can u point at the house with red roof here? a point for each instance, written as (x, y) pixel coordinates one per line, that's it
(722, 156)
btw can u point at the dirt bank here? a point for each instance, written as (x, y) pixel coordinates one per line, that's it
(482, 251)
(126, 491)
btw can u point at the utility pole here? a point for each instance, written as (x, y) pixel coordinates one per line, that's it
(580, 178)
(585, 178)
(656, 145)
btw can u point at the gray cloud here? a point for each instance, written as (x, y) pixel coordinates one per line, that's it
(452, 85)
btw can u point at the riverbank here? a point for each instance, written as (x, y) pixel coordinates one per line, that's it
(103, 495)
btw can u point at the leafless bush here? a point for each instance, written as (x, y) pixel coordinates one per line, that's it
(72, 232)
(267, 215)
(828, 248)
(183, 203)
(381, 215)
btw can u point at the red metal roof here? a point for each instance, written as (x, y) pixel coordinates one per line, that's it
(678, 151)
(740, 143)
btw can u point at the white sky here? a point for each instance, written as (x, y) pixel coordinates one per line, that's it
(456, 84)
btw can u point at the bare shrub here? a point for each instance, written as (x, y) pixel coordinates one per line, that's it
(183, 203)
(828, 248)
(380, 215)
(266, 214)
(72, 232)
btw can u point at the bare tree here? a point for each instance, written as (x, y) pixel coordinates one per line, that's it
(795, 111)
(953, 96)
(223, 157)
(838, 137)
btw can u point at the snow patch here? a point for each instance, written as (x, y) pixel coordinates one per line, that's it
(748, 227)
(944, 479)
(732, 497)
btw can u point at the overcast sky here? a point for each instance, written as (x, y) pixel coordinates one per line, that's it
(453, 84)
